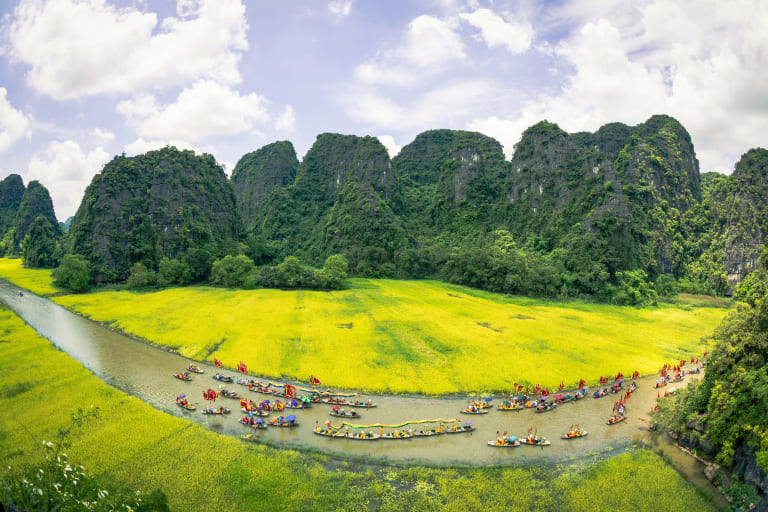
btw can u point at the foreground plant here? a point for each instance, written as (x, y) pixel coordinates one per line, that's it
(57, 485)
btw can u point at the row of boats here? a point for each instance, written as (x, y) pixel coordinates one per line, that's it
(367, 434)
(545, 404)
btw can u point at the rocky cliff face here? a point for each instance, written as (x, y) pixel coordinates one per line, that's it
(338, 203)
(11, 191)
(35, 202)
(613, 188)
(160, 204)
(738, 208)
(260, 173)
(446, 175)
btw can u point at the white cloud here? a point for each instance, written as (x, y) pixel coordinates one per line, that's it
(206, 109)
(141, 146)
(388, 142)
(13, 123)
(340, 7)
(431, 45)
(495, 31)
(700, 62)
(65, 169)
(447, 106)
(100, 136)
(80, 48)
(286, 121)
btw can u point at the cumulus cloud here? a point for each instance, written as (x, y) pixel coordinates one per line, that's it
(388, 142)
(286, 121)
(66, 170)
(340, 7)
(699, 62)
(89, 47)
(100, 136)
(203, 110)
(141, 145)
(13, 123)
(495, 31)
(430, 46)
(445, 106)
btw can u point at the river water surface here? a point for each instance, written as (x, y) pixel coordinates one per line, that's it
(147, 372)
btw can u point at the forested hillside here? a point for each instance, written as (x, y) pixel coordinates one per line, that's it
(620, 215)
(28, 224)
(165, 204)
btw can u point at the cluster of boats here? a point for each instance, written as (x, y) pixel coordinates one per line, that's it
(343, 406)
(533, 439)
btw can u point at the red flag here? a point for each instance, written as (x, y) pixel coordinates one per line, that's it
(314, 380)
(218, 363)
(242, 368)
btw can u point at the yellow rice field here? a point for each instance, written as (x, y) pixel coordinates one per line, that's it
(37, 280)
(405, 336)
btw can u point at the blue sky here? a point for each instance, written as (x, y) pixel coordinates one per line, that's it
(84, 80)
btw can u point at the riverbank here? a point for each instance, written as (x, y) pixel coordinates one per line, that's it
(146, 448)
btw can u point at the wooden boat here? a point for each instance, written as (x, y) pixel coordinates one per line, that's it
(573, 434)
(363, 436)
(211, 410)
(546, 407)
(474, 411)
(615, 419)
(223, 378)
(458, 429)
(279, 421)
(508, 442)
(510, 406)
(229, 394)
(600, 393)
(259, 423)
(428, 432)
(195, 369)
(397, 435)
(344, 401)
(329, 432)
(297, 404)
(255, 412)
(344, 414)
(184, 404)
(536, 441)
(183, 376)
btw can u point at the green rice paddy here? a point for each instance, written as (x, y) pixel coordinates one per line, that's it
(136, 445)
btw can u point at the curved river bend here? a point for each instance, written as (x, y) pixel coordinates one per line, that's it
(147, 372)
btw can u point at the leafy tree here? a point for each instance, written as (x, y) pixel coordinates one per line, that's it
(335, 271)
(173, 272)
(634, 289)
(41, 248)
(233, 271)
(72, 273)
(140, 277)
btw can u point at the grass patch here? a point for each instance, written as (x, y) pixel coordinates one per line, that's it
(133, 444)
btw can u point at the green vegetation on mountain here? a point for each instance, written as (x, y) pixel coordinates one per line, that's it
(42, 246)
(261, 172)
(20, 209)
(164, 204)
(11, 191)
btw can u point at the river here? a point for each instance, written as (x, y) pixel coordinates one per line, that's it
(147, 372)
